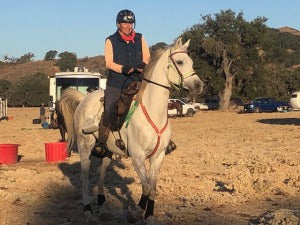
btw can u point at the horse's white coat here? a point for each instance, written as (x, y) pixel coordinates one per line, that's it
(140, 137)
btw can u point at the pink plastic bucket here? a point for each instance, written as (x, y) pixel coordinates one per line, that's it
(8, 153)
(56, 151)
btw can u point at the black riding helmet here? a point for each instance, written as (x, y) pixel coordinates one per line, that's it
(125, 16)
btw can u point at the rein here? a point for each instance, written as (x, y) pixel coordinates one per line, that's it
(161, 85)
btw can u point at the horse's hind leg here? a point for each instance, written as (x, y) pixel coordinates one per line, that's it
(85, 169)
(88, 212)
(100, 182)
(62, 133)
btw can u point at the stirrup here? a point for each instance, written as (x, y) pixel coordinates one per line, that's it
(120, 143)
(171, 147)
(99, 150)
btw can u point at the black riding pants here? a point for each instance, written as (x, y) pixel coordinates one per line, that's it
(111, 96)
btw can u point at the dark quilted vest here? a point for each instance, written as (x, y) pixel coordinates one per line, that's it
(125, 54)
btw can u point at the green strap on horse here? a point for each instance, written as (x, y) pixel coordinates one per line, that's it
(131, 112)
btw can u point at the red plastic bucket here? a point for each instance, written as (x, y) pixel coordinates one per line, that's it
(8, 153)
(56, 151)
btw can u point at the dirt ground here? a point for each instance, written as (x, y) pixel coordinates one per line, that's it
(228, 169)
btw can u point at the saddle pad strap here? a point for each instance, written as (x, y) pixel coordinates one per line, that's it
(131, 112)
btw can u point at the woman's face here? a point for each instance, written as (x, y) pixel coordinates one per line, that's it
(125, 28)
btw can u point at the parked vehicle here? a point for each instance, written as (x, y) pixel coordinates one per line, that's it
(174, 109)
(266, 105)
(208, 104)
(80, 79)
(295, 100)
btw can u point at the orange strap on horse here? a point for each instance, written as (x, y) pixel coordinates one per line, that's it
(158, 132)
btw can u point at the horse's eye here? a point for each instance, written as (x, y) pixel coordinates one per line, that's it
(179, 62)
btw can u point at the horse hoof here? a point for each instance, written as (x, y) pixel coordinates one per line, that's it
(90, 218)
(134, 215)
(150, 221)
(171, 147)
(101, 200)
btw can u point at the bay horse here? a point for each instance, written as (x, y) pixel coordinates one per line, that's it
(177, 106)
(146, 133)
(60, 121)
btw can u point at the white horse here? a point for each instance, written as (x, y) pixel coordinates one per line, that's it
(146, 133)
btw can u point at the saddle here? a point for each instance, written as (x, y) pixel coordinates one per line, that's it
(123, 104)
(116, 119)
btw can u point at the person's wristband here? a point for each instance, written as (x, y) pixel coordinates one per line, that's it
(141, 65)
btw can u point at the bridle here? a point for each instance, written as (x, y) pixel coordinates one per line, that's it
(172, 64)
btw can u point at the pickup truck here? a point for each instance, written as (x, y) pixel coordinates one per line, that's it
(187, 108)
(266, 105)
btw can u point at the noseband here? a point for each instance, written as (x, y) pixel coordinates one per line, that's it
(172, 64)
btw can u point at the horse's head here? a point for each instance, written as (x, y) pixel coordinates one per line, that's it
(181, 72)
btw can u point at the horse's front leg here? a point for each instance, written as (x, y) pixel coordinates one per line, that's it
(155, 164)
(138, 163)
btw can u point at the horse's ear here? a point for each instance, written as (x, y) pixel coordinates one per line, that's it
(178, 43)
(186, 45)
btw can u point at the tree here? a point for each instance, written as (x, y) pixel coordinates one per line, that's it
(229, 45)
(50, 55)
(5, 88)
(31, 90)
(7, 59)
(25, 58)
(67, 61)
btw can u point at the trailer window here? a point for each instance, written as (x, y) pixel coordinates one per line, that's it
(80, 84)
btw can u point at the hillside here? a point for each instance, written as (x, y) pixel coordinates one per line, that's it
(289, 30)
(14, 72)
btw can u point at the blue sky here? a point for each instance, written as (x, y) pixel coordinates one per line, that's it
(81, 26)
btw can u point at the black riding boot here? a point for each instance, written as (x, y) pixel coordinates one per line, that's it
(100, 147)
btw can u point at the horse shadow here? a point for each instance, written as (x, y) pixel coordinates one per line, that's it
(115, 185)
(281, 121)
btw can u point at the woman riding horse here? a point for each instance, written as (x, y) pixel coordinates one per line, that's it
(146, 131)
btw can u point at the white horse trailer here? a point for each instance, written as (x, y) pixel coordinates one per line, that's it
(79, 79)
(3, 109)
(295, 100)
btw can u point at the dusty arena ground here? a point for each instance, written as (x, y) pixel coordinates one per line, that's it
(229, 169)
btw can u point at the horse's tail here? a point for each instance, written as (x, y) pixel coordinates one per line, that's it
(68, 103)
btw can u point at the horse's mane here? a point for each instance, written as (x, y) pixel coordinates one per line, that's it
(154, 58)
(149, 68)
